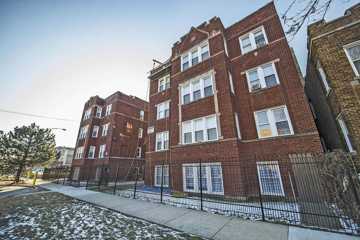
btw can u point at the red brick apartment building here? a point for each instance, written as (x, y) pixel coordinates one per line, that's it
(227, 97)
(112, 133)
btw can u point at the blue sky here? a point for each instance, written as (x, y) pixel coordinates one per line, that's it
(55, 54)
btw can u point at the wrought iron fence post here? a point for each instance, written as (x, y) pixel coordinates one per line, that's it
(87, 179)
(101, 176)
(260, 197)
(162, 183)
(201, 187)
(116, 178)
(136, 179)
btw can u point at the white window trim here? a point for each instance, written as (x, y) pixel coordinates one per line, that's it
(108, 109)
(260, 73)
(189, 53)
(140, 133)
(163, 134)
(98, 110)
(79, 152)
(192, 121)
(201, 79)
(167, 102)
(93, 155)
(231, 83)
(274, 164)
(208, 177)
(323, 77)
(83, 132)
(356, 43)
(87, 114)
(141, 115)
(105, 127)
(157, 168)
(102, 150)
(272, 122)
(139, 152)
(97, 131)
(252, 39)
(344, 132)
(166, 79)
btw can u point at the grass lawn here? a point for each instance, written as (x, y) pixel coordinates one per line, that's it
(49, 215)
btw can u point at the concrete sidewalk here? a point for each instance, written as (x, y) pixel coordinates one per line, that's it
(204, 224)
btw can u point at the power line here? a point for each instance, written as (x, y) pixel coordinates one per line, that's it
(37, 116)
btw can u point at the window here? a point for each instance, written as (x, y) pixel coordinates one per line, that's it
(270, 178)
(102, 151)
(142, 115)
(98, 111)
(353, 53)
(162, 170)
(150, 130)
(140, 134)
(129, 126)
(199, 130)
(323, 77)
(105, 129)
(237, 125)
(345, 133)
(79, 152)
(208, 179)
(162, 141)
(194, 56)
(253, 40)
(83, 132)
(164, 83)
(264, 76)
(95, 131)
(163, 110)
(87, 114)
(186, 93)
(108, 110)
(138, 152)
(91, 153)
(185, 62)
(197, 88)
(273, 122)
(231, 83)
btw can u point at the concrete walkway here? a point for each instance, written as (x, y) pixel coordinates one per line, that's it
(204, 224)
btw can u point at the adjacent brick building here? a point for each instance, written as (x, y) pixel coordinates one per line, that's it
(332, 79)
(112, 134)
(229, 97)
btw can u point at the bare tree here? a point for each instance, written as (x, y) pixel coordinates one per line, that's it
(301, 11)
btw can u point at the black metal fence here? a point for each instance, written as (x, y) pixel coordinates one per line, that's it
(319, 191)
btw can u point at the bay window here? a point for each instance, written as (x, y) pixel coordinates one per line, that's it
(253, 40)
(162, 110)
(194, 56)
(162, 141)
(209, 178)
(199, 130)
(273, 122)
(264, 76)
(197, 88)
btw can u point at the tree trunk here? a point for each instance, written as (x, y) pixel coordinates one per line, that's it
(18, 173)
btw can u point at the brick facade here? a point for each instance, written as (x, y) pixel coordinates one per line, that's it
(327, 43)
(225, 59)
(121, 142)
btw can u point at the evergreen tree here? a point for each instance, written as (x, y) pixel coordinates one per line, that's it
(25, 147)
